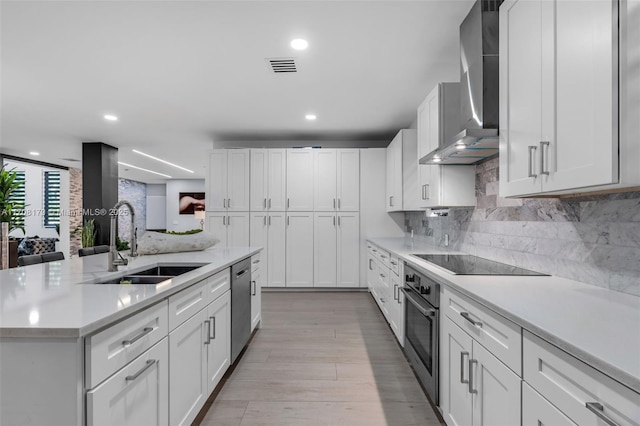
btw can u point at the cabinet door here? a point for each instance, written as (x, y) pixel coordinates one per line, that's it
(188, 369)
(521, 86)
(219, 346)
(496, 390)
(390, 175)
(216, 224)
(396, 315)
(258, 236)
(299, 249)
(257, 280)
(238, 180)
(325, 199)
(237, 229)
(348, 248)
(348, 164)
(276, 260)
(217, 181)
(455, 353)
(136, 395)
(372, 272)
(383, 290)
(277, 179)
(324, 241)
(537, 411)
(259, 178)
(583, 133)
(300, 180)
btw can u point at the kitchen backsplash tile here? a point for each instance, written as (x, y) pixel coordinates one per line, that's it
(136, 193)
(592, 239)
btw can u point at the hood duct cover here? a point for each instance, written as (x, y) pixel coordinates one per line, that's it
(479, 90)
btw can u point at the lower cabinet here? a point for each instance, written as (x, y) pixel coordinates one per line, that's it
(538, 411)
(135, 395)
(219, 340)
(475, 387)
(396, 305)
(257, 281)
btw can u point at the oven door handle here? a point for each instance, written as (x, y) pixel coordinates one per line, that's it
(425, 311)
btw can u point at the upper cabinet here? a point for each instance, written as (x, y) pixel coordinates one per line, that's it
(228, 180)
(559, 106)
(268, 179)
(402, 172)
(337, 179)
(299, 180)
(439, 120)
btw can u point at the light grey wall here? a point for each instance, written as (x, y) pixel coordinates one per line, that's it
(156, 206)
(175, 220)
(595, 240)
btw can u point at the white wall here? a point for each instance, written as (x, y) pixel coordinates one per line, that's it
(156, 206)
(33, 221)
(175, 220)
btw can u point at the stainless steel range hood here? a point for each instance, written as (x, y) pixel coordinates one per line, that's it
(479, 107)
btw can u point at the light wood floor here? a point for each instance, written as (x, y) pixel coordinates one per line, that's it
(321, 359)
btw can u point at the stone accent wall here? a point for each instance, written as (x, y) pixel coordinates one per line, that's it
(592, 239)
(136, 194)
(75, 206)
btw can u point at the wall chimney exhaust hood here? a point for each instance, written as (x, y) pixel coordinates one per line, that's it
(479, 103)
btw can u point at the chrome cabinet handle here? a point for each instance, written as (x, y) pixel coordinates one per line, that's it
(224, 220)
(228, 220)
(382, 300)
(224, 203)
(383, 256)
(427, 191)
(471, 389)
(334, 221)
(269, 203)
(334, 203)
(287, 220)
(423, 196)
(597, 409)
(212, 328)
(339, 221)
(265, 203)
(253, 292)
(145, 331)
(269, 220)
(391, 201)
(395, 288)
(544, 153)
(532, 149)
(147, 365)
(394, 263)
(265, 221)
(383, 275)
(370, 266)
(374, 250)
(466, 316)
(462, 355)
(338, 203)
(229, 202)
(256, 261)
(287, 203)
(208, 332)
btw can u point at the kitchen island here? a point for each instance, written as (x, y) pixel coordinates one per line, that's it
(63, 334)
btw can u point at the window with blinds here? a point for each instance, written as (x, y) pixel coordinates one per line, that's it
(51, 201)
(18, 200)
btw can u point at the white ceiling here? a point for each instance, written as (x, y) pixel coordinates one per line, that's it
(185, 76)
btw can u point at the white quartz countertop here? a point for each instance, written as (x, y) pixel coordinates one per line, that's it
(52, 299)
(597, 325)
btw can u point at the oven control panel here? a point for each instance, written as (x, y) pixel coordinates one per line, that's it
(426, 287)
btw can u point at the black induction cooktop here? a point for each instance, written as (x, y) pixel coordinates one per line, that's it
(466, 264)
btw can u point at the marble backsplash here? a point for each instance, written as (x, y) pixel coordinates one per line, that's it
(135, 193)
(594, 239)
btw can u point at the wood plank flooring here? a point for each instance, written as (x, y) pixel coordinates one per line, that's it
(321, 359)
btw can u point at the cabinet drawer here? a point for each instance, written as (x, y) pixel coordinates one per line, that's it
(384, 257)
(138, 394)
(111, 349)
(185, 304)
(500, 336)
(570, 385)
(394, 264)
(217, 284)
(255, 262)
(538, 411)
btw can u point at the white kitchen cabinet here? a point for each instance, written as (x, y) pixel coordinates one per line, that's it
(268, 179)
(325, 239)
(135, 395)
(396, 306)
(537, 411)
(475, 387)
(348, 249)
(558, 96)
(218, 341)
(337, 180)
(299, 249)
(268, 231)
(257, 281)
(438, 121)
(228, 180)
(231, 228)
(188, 369)
(300, 177)
(402, 172)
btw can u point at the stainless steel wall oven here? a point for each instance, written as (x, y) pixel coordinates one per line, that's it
(422, 296)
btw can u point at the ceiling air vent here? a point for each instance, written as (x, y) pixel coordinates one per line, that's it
(282, 65)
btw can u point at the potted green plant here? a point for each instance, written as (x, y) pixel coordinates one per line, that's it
(88, 233)
(9, 209)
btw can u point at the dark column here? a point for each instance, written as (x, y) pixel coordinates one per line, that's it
(99, 185)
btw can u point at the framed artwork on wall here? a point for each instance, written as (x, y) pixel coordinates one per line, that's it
(189, 202)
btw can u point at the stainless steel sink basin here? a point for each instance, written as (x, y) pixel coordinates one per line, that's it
(154, 275)
(169, 270)
(138, 279)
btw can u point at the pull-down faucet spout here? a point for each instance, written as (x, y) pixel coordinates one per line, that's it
(115, 258)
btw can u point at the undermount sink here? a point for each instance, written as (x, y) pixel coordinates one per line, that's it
(154, 275)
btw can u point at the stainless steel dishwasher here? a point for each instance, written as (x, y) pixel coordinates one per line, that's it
(240, 306)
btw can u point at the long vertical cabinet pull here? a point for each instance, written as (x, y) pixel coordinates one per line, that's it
(334, 203)
(224, 203)
(228, 202)
(462, 355)
(370, 266)
(471, 363)
(253, 292)
(287, 220)
(395, 289)
(265, 221)
(334, 221)
(228, 220)
(212, 330)
(338, 203)
(287, 203)
(339, 221)
(269, 203)
(544, 158)
(265, 203)
(224, 220)
(208, 332)
(427, 191)
(532, 149)
(269, 220)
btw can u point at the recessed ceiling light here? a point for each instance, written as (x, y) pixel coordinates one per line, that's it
(299, 44)
(36, 153)
(110, 117)
(162, 161)
(144, 170)
(310, 117)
